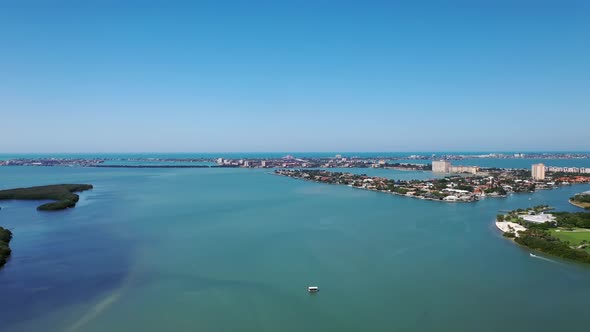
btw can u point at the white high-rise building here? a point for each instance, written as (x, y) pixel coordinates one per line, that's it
(441, 166)
(538, 172)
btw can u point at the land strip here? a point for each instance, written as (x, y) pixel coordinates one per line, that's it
(455, 188)
(62, 194)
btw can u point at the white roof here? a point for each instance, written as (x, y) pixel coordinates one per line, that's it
(456, 190)
(539, 218)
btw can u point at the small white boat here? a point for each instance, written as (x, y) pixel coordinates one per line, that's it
(313, 289)
(533, 255)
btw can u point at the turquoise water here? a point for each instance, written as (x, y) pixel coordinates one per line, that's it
(157, 163)
(483, 162)
(235, 249)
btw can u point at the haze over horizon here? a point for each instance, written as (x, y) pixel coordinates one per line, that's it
(256, 76)
(285, 153)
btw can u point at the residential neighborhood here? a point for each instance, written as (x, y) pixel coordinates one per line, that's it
(453, 188)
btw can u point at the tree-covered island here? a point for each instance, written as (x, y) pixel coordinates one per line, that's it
(62, 194)
(5, 237)
(562, 234)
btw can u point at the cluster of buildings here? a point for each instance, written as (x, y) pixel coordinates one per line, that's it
(445, 166)
(538, 171)
(70, 162)
(579, 170)
(447, 190)
(543, 155)
(285, 162)
(332, 162)
(530, 155)
(515, 221)
(454, 188)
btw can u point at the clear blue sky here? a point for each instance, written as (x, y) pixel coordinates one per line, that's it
(102, 76)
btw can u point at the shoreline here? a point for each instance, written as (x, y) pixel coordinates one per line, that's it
(406, 169)
(379, 191)
(544, 234)
(5, 251)
(395, 194)
(62, 195)
(509, 227)
(458, 189)
(579, 205)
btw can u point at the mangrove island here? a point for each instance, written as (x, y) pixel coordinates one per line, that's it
(5, 237)
(62, 194)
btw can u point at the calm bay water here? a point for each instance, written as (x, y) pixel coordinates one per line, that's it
(235, 249)
(483, 162)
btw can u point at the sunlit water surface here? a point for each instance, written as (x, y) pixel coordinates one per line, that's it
(235, 249)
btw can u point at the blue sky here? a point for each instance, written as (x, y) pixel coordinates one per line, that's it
(122, 76)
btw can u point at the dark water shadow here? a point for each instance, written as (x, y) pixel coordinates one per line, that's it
(63, 268)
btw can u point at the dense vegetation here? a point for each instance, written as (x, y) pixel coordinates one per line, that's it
(539, 236)
(581, 200)
(5, 237)
(499, 190)
(425, 167)
(63, 194)
(543, 241)
(571, 220)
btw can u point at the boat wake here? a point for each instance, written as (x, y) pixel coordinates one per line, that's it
(98, 308)
(542, 258)
(94, 312)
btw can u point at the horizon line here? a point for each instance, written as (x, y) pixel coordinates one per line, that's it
(287, 151)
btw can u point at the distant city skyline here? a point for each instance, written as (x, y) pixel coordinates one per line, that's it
(305, 76)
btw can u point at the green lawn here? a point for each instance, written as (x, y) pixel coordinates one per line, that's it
(573, 237)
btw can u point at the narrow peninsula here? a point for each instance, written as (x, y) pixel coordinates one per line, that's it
(62, 194)
(453, 188)
(561, 234)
